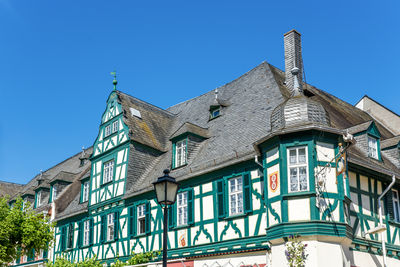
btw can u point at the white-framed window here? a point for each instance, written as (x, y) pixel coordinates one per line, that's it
(38, 199)
(396, 205)
(85, 193)
(297, 169)
(25, 258)
(182, 208)
(115, 126)
(180, 153)
(141, 219)
(108, 171)
(235, 188)
(107, 130)
(86, 232)
(110, 227)
(372, 147)
(54, 193)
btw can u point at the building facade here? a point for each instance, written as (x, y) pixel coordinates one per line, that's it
(260, 159)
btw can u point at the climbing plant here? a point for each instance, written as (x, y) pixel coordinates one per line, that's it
(296, 252)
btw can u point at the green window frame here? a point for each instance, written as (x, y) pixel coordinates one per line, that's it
(105, 227)
(222, 195)
(174, 214)
(133, 214)
(215, 112)
(38, 199)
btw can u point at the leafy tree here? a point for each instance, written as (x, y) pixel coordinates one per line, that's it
(22, 231)
(63, 262)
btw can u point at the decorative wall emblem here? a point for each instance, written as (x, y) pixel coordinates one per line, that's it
(274, 181)
(182, 239)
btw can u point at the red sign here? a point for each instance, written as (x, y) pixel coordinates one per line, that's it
(273, 181)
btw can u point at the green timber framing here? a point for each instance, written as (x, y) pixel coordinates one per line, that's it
(218, 241)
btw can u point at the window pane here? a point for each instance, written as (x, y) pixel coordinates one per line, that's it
(303, 178)
(302, 155)
(292, 156)
(293, 179)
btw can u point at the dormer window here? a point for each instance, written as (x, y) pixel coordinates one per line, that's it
(372, 147)
(38, 199)
(85, 191)
(180, 153)
(215, 112)
(54, 193)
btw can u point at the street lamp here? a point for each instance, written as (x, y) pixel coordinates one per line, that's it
(166, 188)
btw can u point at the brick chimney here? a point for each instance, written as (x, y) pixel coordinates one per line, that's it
(292, 43)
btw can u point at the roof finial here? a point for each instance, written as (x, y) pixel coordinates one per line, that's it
(216, 93)
(41, 174)
(296, 84)
(115, 82)
(83, 152)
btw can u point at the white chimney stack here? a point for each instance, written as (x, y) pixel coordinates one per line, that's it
(293, 61)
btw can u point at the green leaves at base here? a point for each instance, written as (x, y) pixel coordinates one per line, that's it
(22, 231)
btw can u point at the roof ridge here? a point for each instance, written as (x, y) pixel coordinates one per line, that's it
(6, 182)
(226, 84)
(147, 103)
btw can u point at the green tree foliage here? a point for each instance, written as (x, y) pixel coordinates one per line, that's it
(138, 258)
(63, 262)
(22, 231)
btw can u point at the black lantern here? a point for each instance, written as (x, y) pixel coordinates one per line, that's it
(166, 188)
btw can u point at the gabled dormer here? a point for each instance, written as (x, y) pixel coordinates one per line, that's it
(41, 195)
(368, 137)
(185, 143)
(59, 182)
(217, 106)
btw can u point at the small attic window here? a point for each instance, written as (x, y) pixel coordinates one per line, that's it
(135, 112)
(215, 112)
(372, 147)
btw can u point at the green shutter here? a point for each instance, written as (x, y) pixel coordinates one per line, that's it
(247, 193)
(220, 198)
(91, 231)
(389, 204)
(190, 207)
(80, 234)
(171, 216)
(62, 239)
(116, 224)
(103, 228)
(132, 221)
(148, 217)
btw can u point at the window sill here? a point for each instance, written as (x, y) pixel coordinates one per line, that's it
(105, 184)
(236, 216)
(183, 226)
(299, 194)
(181, 166)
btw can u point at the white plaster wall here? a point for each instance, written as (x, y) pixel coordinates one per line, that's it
(299, 209)
(208, 208)
(329, 176)
(325, 151)
(361, 259)
(272, 154)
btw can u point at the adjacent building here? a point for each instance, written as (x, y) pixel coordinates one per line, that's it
(258, 160)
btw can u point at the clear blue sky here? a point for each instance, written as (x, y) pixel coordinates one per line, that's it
(56, 56)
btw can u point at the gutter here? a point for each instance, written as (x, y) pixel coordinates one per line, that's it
(381, 219)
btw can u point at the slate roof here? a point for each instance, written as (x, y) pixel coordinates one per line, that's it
(7, 188)
(252, 97)
(153, 126)
(394, 141)
(63, 170)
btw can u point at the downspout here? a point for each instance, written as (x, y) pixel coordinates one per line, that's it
(381, 219)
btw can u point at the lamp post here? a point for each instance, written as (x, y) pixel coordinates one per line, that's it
(166, 188)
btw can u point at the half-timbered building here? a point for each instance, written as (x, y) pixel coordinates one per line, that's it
(262, 158)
